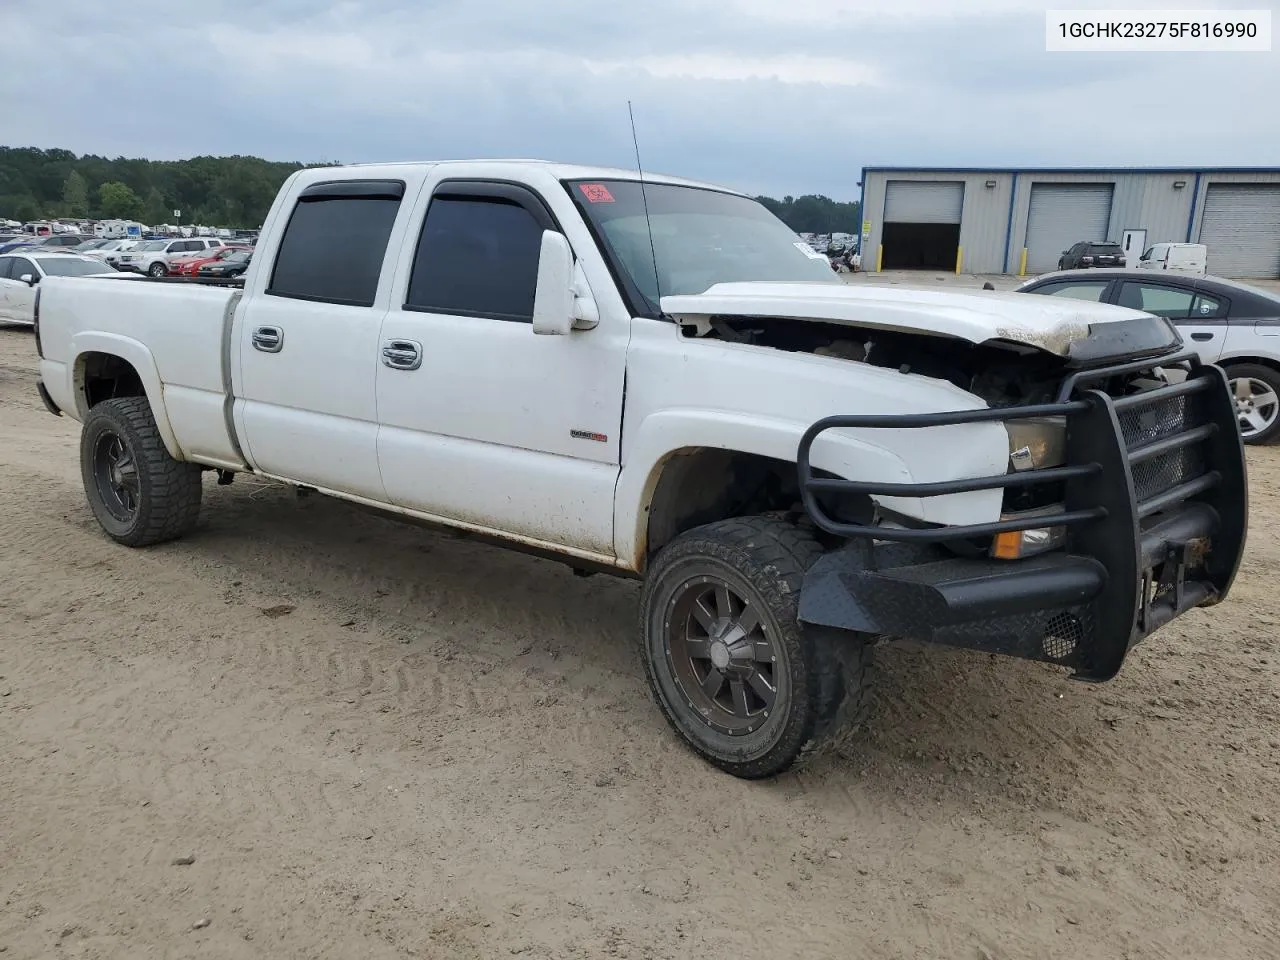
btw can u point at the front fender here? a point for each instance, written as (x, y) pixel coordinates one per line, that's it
(661, 435)
(140, 358)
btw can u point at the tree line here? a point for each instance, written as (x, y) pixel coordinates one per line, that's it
(219, 191)
(816, 214)
(229, 191)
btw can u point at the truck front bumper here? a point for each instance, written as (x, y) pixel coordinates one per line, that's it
(1155, 511)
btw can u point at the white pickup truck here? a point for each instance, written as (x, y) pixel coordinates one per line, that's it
(657, 378)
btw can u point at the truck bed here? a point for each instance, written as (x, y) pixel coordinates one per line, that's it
(174, 332)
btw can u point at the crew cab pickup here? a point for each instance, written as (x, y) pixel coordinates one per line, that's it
(656, 378)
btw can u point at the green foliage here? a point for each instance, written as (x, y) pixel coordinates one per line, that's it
(75, 195)
(816, 214)
(117, 201)
(217, 191)
(231, 191)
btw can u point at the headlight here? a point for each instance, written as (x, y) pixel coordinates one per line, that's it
(1036, 443)
(1017, 544)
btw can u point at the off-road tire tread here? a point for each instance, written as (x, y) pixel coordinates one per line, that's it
(774, 554)
(171, 489)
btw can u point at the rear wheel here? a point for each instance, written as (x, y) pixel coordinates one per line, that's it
(733, 671)
(1256, 390)
(158, 269)
(139, 494)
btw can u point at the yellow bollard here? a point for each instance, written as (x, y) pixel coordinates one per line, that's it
(959, 258)
(879, 257)
(1022, 263)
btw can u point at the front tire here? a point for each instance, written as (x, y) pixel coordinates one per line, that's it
(139, 494)
(158, 269)
(732, 669)
(1256, 390)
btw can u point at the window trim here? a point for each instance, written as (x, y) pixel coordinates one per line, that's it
(341, 190)
(1108, 286)
(485, 190)
(352, 190)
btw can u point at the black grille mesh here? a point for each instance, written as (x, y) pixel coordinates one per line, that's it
(1158, 420)
(1155, 421)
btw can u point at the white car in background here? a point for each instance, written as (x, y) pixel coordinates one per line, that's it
(126, 246)
(152, 257)
(110, 251)
(1176, 257)
(1228, 323)
(22, 270)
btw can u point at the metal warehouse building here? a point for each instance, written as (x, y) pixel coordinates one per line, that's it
(1020, 221)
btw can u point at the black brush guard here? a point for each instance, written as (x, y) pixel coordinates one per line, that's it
(1155, 511)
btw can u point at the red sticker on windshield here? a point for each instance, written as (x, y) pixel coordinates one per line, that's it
(597, 193)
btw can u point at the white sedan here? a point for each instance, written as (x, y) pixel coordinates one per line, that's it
(22, 270)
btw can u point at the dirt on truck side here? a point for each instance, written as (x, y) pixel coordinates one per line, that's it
(308, 731)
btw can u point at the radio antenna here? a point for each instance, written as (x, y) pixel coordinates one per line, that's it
(644, 197)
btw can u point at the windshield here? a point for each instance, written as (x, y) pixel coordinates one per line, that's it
(70, 267)
(151, 245)
(700, 238)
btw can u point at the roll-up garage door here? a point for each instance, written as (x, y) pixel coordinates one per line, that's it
(1062, 214)
(917, 201)
(1241, 228)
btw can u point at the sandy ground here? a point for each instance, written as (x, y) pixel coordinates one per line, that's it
(380, 742)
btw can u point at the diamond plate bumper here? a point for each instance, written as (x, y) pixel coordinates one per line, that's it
(1155, 506)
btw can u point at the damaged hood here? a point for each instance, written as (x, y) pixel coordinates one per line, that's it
(1049, 323)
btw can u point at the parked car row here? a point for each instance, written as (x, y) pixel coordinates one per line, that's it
(156, 258)
(23, 266)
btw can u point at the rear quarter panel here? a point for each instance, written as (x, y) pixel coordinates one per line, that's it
(172, 334)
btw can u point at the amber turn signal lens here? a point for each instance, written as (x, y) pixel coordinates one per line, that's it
(1007, 546)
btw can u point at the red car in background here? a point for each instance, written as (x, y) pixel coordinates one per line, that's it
(188, 266)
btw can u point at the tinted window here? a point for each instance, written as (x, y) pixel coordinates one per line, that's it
(1207, 308)
(1092, 290)
(333, 249)
(5, 264)
(1170, 302)
(22, 266)
(72, 267)
(476, 258)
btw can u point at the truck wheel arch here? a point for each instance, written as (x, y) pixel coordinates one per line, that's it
(107, 366)
(663, 488)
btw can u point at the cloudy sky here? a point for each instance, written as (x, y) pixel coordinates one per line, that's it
(775, 96)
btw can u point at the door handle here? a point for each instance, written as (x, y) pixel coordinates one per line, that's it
(268, 339)
(402, 354)
(1202, 336)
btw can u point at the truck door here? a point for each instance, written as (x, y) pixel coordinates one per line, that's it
(484, 422)
(307, 337)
